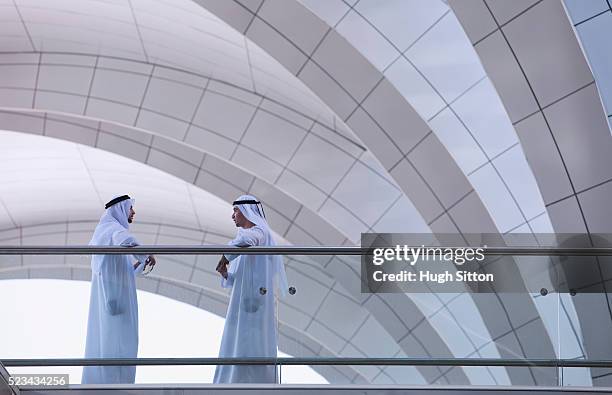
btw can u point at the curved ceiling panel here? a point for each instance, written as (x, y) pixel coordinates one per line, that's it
(422, 49)
(555, 110)
(277, 144)
(533, 58)
(593, 23)
(177, 34)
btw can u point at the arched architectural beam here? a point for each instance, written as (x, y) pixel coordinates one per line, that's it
(192, 165)
(262, 136)
(533, 58)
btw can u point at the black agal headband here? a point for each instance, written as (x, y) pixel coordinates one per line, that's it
(237, 202)
(116, 200)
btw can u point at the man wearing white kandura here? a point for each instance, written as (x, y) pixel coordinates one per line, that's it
(251, 328)
(112, 326)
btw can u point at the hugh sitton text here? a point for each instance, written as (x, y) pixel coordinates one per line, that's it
(428, 276)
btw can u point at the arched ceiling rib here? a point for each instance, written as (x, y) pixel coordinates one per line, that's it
(231, 123)
(223, 178)
(533, 58)
(177, 34)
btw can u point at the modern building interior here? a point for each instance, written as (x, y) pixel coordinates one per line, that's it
(343, 117)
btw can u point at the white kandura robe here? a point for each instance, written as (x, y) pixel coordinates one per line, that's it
(251, 327)
(112, 326)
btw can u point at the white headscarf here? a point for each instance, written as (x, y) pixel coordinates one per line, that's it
(113, 224)
(253, 212)
(118, 212)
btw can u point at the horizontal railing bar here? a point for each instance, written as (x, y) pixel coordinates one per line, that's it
(276, 250)
(566, 363)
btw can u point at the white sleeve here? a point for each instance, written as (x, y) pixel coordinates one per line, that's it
(125, 239)
(253, 236)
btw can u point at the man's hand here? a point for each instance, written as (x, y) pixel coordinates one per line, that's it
(222, 267)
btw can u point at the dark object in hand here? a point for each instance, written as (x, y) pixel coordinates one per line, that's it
(222, 267)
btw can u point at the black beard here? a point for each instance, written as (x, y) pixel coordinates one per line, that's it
(129, 220)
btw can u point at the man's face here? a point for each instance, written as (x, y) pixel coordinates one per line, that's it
(131, 215)
(239, 219)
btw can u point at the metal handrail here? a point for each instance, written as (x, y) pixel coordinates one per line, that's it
(277, 250)
(557, 363)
